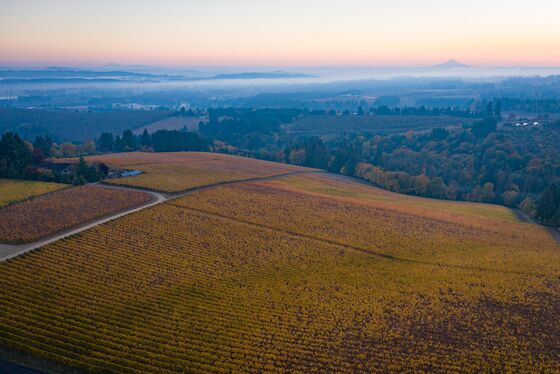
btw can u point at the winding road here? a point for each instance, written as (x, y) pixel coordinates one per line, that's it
(8, 251)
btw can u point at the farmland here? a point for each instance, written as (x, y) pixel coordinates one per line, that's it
(175, 172)
(55, 212)
(298, 273)
(323, 125)
(12, 190)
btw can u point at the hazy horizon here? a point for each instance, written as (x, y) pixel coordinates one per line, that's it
(290, 34)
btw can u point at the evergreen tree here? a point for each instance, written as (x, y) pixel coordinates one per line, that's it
(146, 138)
(106, 142)
(128, 141)
(549, 203)
(360, 111)
(15, 156)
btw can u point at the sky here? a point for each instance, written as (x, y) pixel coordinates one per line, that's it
(280, 32)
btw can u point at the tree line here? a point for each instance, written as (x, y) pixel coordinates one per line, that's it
(159, 141)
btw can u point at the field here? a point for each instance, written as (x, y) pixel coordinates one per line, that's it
(174, 172)
(331, 125)
(12, 190)
(49, 214)
(303, 273)
(171, 123)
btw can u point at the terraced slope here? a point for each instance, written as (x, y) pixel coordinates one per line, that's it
(302, 273)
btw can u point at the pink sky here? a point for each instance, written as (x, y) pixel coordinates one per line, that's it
(298, 33)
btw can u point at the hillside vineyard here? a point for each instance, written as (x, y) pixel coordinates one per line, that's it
(301, 273)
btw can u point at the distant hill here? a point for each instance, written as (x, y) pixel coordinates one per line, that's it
(253, 75)
(62, 75)
(68, 75)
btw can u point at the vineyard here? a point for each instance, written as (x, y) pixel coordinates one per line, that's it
(385, 124)
(174, 172)
(55, 212)
(12, 190)
(304, 273)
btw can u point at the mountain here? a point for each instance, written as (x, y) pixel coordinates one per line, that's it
(451, 64)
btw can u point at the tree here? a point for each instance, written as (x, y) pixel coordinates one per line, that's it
(44, 144)
(128, 141)
(297, 156)
(489, 110)
(118, 145)
(68, 150)
(482, 129)
(176, 141)
(487, 193)
(436, 188)
(315, 153)
(82, 171)
(87, 147)
(549, 203)
(38, 156)
(15, 156)
(498, 109)
(360, 111)
(146, 138)
(439, 133)
(106, 142)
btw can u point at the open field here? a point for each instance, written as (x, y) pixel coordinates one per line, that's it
(179, 171)
(171, 123)
(13, 190)
(47, 215)
(328, 124)
(298, 273)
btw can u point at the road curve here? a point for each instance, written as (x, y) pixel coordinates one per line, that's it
(8, 251)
